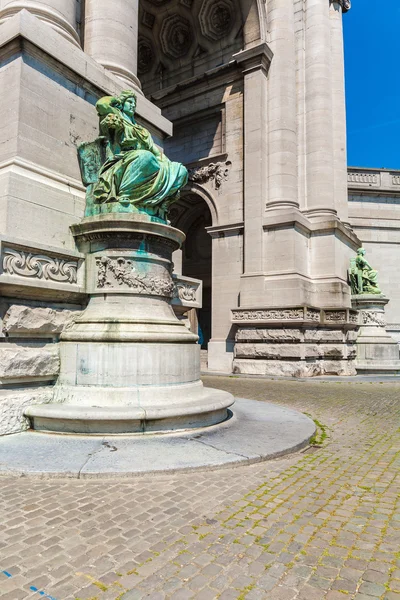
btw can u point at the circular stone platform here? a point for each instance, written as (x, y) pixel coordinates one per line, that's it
(255, 432)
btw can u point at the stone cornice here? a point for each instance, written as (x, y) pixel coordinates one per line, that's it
(254, 58)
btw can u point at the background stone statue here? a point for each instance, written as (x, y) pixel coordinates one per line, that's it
(363, 278)
(123, 169)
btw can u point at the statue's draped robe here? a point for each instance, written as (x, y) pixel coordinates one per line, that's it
(369, 275)
(137, 174)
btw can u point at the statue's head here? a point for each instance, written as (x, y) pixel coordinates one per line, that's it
(361, 251)
(126, 102)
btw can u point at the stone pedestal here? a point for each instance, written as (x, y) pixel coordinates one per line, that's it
(128, 365)
(377, 351)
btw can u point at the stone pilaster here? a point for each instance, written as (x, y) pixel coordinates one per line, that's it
(111, 37)
(61, 15)
(255, 63)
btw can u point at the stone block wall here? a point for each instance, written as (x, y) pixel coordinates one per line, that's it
(29, 356)
(297, 342)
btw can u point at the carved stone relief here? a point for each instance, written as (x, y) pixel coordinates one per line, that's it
(176, 36)
(148, 19)
(313, 314)
(39, 266)
(119, 271)
(272, 315)
(185, 292)
(216, 18)
(335, 316)
(369, 317)
(146, 55)
(216, 172)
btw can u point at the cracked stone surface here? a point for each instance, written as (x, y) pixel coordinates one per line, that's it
(321, 524)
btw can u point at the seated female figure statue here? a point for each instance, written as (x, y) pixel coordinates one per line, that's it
(368, 274)
(136, 177)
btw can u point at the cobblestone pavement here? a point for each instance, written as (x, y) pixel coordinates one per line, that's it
(322, 524)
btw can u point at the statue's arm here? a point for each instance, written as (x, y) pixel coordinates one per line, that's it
(103, 107)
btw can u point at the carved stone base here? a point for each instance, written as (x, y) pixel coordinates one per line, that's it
(128, 364)
(377, 351)
(295, 342)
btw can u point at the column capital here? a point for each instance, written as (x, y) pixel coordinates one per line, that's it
(345, 4)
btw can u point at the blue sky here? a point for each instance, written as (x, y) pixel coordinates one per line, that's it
(372, 63)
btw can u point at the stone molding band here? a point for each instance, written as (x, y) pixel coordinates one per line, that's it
(305, 314)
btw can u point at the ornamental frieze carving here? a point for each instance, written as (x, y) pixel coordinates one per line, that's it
(369, 317)
(216, 18)
(39, 266)
(353, 317)
(268, 315)
(313, 315)
(335, 316)
(176, 36)
(119, 271)
(216, 172)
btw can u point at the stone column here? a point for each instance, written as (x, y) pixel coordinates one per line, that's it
(339, 112)
(61, 15)
(111, 37)
(282, 126)
(319, 107)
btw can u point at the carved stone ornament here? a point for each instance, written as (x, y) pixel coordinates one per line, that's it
(345, 4)
(185, 292)
(145, 56)
(313, 314)
(353, 317)
(119, 271)
(335, 316)
(268, 315)
(370, 317)
(148, 19)
(39, 266)
(216, 172)
(176, 36)
(216, 18)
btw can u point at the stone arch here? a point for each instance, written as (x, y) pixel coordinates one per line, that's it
(192, 214)
(207, 196)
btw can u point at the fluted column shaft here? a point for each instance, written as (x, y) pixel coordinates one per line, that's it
(282, 125)
(61, 15)
(111, 37)
(319, 106)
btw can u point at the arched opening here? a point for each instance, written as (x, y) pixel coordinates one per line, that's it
(192, 216)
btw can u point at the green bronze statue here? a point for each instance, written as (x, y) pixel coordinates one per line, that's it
(123, 170)
(363, 278)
